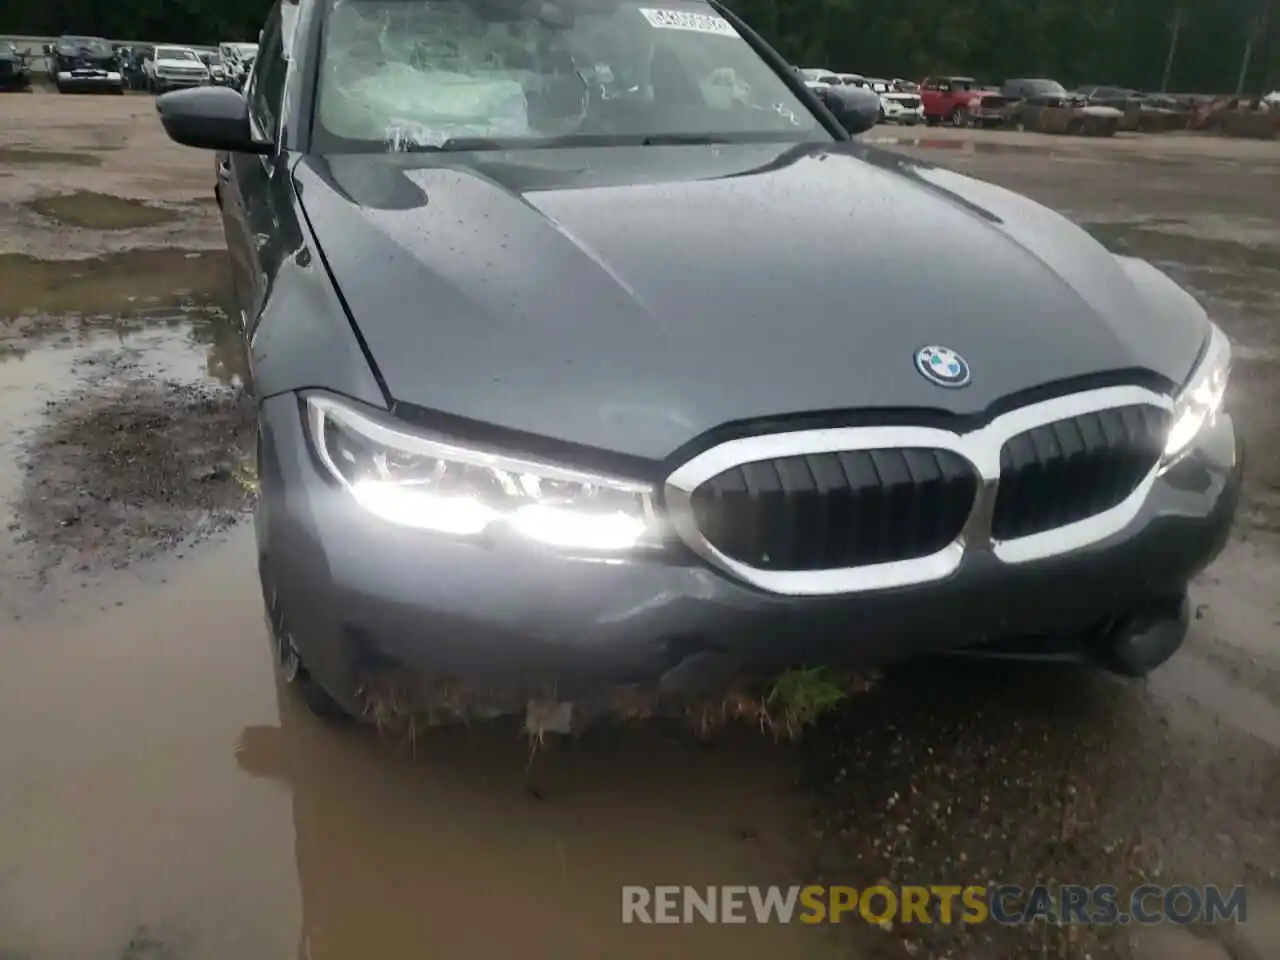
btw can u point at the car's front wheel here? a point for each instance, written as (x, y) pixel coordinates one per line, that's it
(959, 118)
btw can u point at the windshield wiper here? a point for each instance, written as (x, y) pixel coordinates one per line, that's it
(452, 145)
(682, 139)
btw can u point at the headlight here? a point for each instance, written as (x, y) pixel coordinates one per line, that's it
(1198, 404)
(416, 481)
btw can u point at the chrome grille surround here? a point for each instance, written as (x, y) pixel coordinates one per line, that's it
(981, 447)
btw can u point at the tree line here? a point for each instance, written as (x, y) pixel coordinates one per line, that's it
(1214, 46)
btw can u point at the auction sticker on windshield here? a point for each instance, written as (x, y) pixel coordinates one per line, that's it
(688, 20)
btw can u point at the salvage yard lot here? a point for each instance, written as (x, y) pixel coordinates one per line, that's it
(158, 799)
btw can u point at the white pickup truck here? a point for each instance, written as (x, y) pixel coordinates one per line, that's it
(175, 68)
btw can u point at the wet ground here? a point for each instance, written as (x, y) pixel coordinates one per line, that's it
(160, 798)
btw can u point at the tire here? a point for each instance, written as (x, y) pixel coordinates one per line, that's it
(959, 118)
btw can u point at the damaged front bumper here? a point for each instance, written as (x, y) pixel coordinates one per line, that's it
(384, 614)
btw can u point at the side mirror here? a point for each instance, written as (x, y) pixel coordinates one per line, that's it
(856, 108)
(209, 118)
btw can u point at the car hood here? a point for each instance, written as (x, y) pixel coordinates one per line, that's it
(631, 299)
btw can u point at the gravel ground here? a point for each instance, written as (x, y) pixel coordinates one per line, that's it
(160, 798)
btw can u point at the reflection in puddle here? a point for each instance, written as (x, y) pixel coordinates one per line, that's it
(956, 146)
(240, 826)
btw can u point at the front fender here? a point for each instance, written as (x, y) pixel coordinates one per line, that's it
(303, 337)
(1168, 299)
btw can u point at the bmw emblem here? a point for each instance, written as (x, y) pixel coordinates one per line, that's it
(943, 366)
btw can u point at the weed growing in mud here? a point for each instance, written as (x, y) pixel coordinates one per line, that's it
(800, 697)
(400, 707)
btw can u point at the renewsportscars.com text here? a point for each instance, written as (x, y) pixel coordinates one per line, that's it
(1006, 904)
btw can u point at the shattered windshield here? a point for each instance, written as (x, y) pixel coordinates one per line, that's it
(471, 74)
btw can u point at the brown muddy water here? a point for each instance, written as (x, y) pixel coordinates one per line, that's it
(162, 799)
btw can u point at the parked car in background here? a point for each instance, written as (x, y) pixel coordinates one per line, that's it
(15, 71)
(133, 65)
(962, 102)
(1045, 106)
(175, 68)
(1139, 111)
(815, 77)
(85, 64)
(897, 106)
(1110, 96)
(238, 58)
(483, 488)
(217, 69)
(902, 108)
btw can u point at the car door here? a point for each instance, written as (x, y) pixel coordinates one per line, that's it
(246, 183)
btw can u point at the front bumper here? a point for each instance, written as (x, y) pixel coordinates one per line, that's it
(178, 83)
(360, 594)
(105, 80)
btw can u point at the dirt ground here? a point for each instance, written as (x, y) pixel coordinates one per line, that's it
(160, 799)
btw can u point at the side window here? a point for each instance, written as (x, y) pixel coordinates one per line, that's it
(265, 89)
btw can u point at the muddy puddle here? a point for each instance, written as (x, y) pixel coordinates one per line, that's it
(37, 293)
(99, 211)
(124, 428)
(19, 156)
(956, 146)
(215, 817)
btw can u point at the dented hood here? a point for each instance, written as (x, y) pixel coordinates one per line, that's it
(632, 298)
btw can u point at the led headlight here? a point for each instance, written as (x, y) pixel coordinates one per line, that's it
(1198, 404)
(416, 481)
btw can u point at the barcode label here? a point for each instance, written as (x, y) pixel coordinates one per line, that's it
(686, 20)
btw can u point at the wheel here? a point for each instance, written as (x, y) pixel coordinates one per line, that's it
(959, 118)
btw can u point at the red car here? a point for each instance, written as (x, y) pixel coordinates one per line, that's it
(962, 102)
